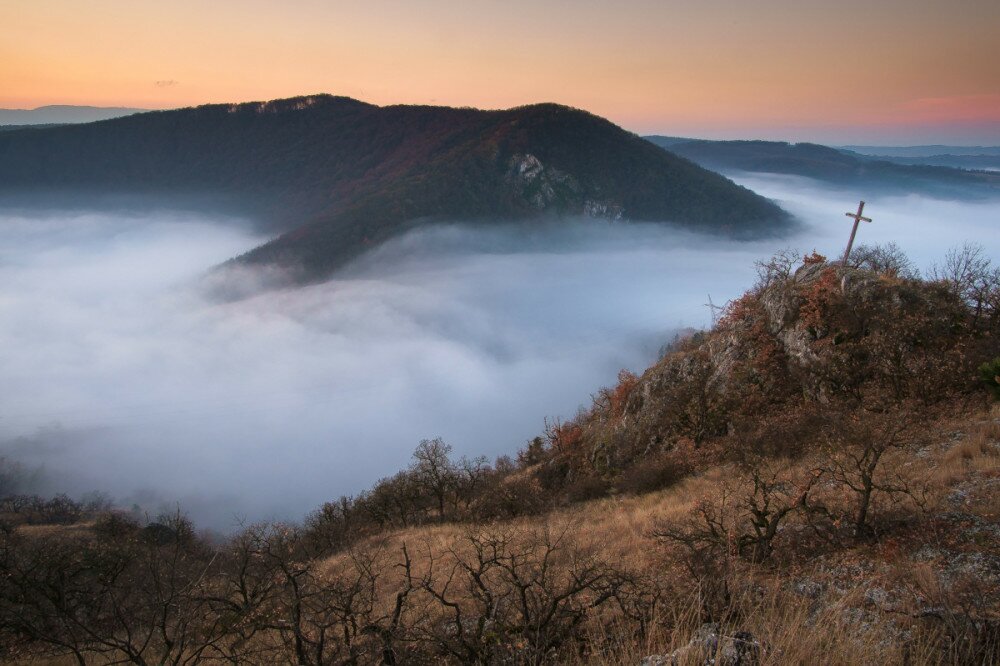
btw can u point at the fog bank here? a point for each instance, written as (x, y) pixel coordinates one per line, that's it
(124, 373)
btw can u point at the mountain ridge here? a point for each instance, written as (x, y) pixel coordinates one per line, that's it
(333, 176)
(834, 165)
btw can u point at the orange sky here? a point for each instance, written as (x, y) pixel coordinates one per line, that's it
(902, 70)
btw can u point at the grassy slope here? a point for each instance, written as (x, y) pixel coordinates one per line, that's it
(852, 605)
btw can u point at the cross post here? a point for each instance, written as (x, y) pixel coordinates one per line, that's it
(858, 218)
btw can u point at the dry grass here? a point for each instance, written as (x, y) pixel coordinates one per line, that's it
(809, 610)
(83, 530)
(618, 527)
(976, 451)
(840, 625)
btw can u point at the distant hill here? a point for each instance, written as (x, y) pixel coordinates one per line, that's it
(833, 165)
(334, 176)
(924, 151)
(10, 128)
(967, 162)
(958, 157)
(62, 114)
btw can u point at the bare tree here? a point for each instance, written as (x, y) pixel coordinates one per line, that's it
(434, 471)
(971, 274)
(856, 452)
(514, 596)
(744, 518)
(122, 599)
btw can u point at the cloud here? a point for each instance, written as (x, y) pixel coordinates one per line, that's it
(124, 371)
(166, 83)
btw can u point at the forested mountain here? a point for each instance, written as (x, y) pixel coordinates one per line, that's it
(335, 176)
(832, 165)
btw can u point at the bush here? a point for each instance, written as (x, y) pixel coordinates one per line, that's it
(515, 496)
(115, 525)
(989, 373)
(653, 474)
(587, 488)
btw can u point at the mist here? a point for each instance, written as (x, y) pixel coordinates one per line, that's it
(125, 372)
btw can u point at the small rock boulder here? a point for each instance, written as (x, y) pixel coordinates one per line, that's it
(710, 647)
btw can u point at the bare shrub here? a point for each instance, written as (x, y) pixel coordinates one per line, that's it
(777, 268)
(970, 273)
(744, 517)
(858, 452)
(888, 259)
(514, 596)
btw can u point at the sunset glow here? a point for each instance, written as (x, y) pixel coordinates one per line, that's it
(828, 71)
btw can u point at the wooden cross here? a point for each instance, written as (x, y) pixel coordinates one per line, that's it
(854, 232)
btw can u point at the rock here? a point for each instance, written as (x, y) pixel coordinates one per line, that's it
(710, 647)
(808, 588)
(877, 596)
(541, 186)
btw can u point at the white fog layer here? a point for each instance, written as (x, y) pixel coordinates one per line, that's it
(123, 373)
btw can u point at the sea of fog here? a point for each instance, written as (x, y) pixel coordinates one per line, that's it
(124, 372)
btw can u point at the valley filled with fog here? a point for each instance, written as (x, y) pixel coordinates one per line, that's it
(125, 371)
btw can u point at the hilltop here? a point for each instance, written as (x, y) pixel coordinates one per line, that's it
(811, 481)
(332, 176)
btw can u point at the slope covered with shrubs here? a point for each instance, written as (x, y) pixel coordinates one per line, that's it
(812, 480)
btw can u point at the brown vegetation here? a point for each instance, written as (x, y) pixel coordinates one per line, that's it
(813, 481)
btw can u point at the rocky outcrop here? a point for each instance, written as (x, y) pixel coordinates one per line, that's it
(789, 335)
(539, 185)
(544, 187)
(711, 647)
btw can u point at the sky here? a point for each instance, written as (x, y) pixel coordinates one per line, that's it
(892, 72)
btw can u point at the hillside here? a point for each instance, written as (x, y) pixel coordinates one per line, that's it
(811, 481)
(984, 162)
(334, 176)
(833, 165)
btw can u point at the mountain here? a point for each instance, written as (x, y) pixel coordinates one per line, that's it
(62, 114)
(334, 176)
(924, 151)
(982, 158)
(832, 165)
